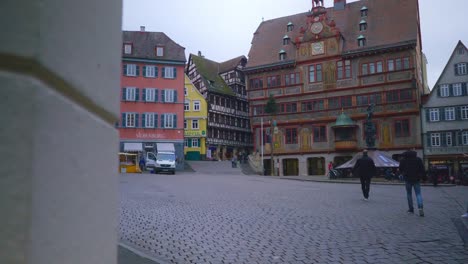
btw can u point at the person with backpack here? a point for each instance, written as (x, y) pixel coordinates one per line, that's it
(365, 169)
(412, 169)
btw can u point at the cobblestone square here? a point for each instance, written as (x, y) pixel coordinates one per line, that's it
(219, 215)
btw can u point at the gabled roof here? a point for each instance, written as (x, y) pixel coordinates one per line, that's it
(459, 45)
(232, 64)
(190, 83)
(388, 22)
(209, 71)
(144, 46)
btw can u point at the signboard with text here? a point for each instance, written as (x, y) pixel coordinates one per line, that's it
(195, 133)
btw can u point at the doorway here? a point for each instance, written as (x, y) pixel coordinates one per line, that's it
(290, 167)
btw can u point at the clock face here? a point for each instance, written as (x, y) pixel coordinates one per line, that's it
(316, 27)
(317, 48)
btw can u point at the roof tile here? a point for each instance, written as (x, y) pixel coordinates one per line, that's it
(388, 22)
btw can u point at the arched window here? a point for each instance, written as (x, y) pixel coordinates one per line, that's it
(286, 40)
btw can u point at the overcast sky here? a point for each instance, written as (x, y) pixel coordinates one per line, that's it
(223, 29)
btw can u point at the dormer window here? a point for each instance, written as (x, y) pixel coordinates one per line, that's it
(127, 48)
(362, 25)
(364, 11)
(159, 51)
(282, 55)
(361, 41)
(290, 26)
(286, 40)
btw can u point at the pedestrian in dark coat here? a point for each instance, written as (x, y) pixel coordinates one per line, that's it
(142, 163)
(413, 172)
(365, 169)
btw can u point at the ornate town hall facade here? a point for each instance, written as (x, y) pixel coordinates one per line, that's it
(336, 62)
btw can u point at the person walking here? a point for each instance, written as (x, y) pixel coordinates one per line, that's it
(365, 169)
(413, 172)
(141, 163)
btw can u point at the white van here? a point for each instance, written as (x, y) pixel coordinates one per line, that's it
(164, 160)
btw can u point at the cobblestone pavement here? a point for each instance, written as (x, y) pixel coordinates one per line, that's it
(218, 215)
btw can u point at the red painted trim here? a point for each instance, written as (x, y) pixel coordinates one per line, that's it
(326, 106)
(333, 119)
(334, 90)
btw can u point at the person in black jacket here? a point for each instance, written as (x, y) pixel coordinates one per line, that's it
(413, 172)
(365, 169)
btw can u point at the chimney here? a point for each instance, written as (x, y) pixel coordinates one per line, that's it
(142, 28)
(339, 4)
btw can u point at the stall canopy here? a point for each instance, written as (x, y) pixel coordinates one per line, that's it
(133, 147)
(381, 160)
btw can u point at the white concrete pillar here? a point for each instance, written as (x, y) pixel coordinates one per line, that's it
(59, 94)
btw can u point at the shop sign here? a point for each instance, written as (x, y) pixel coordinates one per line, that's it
(194, 133)
(150, 135)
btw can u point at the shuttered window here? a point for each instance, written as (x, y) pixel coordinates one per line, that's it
(464, 112)
(450, 113)
(448, 138)
(130, 119)
(465, 138)
(435, 139)
(169, 121)
(444, 90)
(457, 89)
(461, 68)
(149, 120)
(131, 70)
(434, 115)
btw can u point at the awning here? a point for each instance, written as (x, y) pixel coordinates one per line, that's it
(133, 147)
(381, 160)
